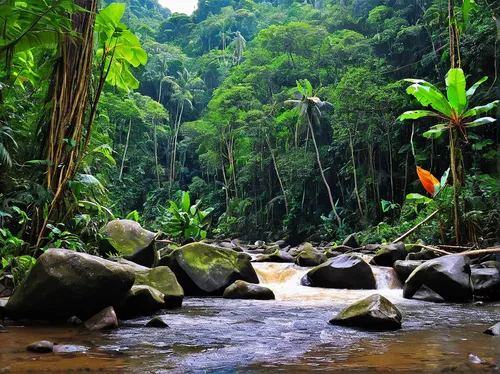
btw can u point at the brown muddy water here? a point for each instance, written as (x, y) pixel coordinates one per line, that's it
(290, 334)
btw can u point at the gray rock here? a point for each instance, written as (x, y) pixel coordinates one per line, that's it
(66, 283)
(424, 254)
(104, 320)
(129, 240)
(372, 248)
(387, 255)
(351, 241)
(259, 243)
(404, 268)
(244, 290)
(3, 329)
(141, 301)
(448, 276)
(270, 249)
(281, 243)
(204, 270)
(494, 330)
(277, 256)
(344, 271)
(310, 257)
(161, 278)
(486, 283)
(375, 313)
(157, 322)
(42, 346)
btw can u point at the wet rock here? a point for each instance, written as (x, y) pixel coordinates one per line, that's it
(74, 321)
(342, 248)
(331, 253)
(69, 348)
(2, 329)
(311, 257)
(424, 293)
(344, 271)
(494, 330)
(424, 254)
(66, 283)
(6, 285)
(375, 313)
(486, 282)
(404, 268)
(372, 248)
(351, 241)
(129, 240)
(387, 255)
(42, 346)
(244, 290)
(281, 243)
(104, 320)
(161, 278)
(448, 276)
(204, 270)
(141, 301)
(259, 243)
(277, 256)
(157, 322)
(3, 302)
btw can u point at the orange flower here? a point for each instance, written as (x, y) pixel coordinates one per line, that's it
(428, 180)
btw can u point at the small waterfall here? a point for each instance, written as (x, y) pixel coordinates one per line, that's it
(284, 280)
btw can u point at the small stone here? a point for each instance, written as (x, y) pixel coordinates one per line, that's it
(156, 321)
(42, 346)
(493, 330)
(351, 241)
(74, 321)
(105, 319)
(2, 329)
(259, 243)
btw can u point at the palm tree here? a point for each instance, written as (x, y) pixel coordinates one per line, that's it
(309, 108)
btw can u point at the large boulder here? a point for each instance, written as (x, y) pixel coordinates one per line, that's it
(448, 276)
(276, 256)
(141, 301)
(244, 290)
(374, 313)
(310, 257)
(161, 278)
(387, 255)
(404, 268)
(65, 283)
(486, 283)
(129, 240)
(343, 271)
(204, 270)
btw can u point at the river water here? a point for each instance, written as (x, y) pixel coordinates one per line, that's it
(289, 334)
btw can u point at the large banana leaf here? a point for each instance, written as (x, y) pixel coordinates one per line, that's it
(455, 84)
(480, 109)
(427, 94)
(415, 114)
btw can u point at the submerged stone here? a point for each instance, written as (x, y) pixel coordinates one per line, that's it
(374, 313)
(157, 322)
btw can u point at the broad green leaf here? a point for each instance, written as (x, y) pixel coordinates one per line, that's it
(418, 198)
(435, 131)
(474, 87)
(480, 109)
(480, 122)
(186, 201)
(415, 114)
(427, 94)
(455, 83)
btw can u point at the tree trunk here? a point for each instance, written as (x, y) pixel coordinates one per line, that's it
(125, 150)
(67, 131)
(355, 177)
(456, 217)
(277, 173)
(156, 154)
(330, 197)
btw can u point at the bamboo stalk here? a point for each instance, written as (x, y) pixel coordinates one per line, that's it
(416, 227)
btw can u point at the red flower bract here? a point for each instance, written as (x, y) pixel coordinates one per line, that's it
(428, 180)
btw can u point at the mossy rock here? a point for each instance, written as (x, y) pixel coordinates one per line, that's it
(129, 240)
(276, 256)
(141, 301)
(244, 290)
(66, 283)
(374, 313)
(310, 257)
(206, 270)
(388, 254)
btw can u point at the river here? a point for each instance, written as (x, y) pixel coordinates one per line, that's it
(291, 333)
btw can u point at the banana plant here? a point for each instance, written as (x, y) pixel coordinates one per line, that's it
(454, 114)
(187, 220)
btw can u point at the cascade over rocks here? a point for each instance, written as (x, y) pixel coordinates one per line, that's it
(277, 256)
(448, 276)
(404, 268)
(244, 290)
(161, 278)
(375, 313)
(129, 240)
(205, 270)
(65, 283)
(343, 271)
(387, 255)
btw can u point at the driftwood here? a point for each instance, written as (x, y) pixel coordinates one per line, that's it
(465, 253)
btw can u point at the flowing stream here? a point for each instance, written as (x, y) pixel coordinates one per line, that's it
(291, 333)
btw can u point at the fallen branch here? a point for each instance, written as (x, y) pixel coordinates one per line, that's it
(465, 253)
(415, 228)
(432, 248)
